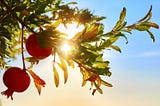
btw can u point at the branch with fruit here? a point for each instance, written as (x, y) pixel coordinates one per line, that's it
(34, 24)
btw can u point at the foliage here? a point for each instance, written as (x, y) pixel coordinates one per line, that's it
(42, 18)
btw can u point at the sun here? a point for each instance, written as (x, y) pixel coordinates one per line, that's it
(70, 30)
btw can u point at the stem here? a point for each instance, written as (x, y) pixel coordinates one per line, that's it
(22, 48)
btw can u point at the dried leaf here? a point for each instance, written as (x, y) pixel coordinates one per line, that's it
(38, 87)
(150, 24)
(92, 78)
(91, 33)
(37, 81)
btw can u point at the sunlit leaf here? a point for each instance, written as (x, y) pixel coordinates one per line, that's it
(71, 63)
(56, 76)
(79, 34)
(63, 66)
(57, 23)
(121, 19)
(91, 33)
(100, 64)
(116, 48)
(32, 60)
(84, 82)
(84, 76)
(142, 27)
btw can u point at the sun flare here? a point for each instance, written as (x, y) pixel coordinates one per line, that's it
(70, 30)
(65, 47)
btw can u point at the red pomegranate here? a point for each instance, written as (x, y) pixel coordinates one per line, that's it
(35, 50)
(16, 80)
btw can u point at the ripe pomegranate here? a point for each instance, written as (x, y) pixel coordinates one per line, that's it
(35, 50)
(16, 80)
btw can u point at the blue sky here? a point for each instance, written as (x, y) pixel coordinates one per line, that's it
(135, 71)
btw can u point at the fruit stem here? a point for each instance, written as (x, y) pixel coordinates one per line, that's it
(22, 48)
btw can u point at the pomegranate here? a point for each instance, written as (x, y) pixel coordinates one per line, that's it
(35, 50)
(16, 80)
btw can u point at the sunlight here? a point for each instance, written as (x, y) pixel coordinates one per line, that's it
(66, 47)
(71, 29)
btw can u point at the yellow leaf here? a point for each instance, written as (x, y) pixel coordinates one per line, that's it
(57, 23)
(84, 76)
(63, 66)
(38, 87)
(84, 82)
(100, 90)
(71, 63)
(98, 82)
(56, 76)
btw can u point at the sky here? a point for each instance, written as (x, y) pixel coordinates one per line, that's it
(135, 71)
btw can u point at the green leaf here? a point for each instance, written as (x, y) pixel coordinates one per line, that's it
(142, 27)
(104, 71)
(116, 48)
(106, 83)
(121, 19)
(100, 64)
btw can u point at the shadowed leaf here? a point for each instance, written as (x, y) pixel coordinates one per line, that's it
(151, 35)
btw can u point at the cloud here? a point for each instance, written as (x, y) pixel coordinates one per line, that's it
(151, 54)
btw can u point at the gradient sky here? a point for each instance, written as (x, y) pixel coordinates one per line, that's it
(135, 71)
